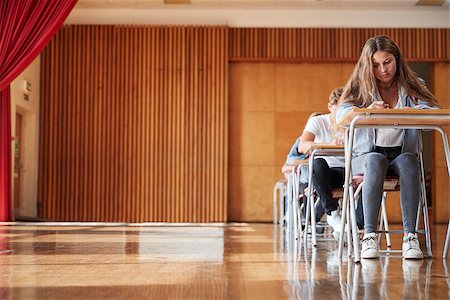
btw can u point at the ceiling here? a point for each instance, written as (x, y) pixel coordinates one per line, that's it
(266, 13)
(256, 3)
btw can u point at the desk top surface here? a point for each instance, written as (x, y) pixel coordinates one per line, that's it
(406, 116)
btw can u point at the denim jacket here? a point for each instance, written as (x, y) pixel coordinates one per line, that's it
(364, 138)
(294, 154)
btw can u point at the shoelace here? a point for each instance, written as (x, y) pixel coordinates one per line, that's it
(411, 241)
(370, 240)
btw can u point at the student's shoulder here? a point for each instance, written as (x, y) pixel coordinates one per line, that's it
(321, 118)
(317, 122)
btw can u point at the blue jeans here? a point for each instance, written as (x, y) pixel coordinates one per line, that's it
(375, 166)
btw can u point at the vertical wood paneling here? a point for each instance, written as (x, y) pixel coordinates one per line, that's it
(332, 44)
(134, 124)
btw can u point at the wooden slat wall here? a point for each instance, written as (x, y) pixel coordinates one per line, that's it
(134, 119)
(333, 44)
(134, 124)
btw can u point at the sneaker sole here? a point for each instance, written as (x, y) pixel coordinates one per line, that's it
(413, 255)
(370, 255)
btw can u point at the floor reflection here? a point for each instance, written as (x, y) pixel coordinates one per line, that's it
(228, 261)
(318, 273)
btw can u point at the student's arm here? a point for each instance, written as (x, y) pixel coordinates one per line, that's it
(420, 104)
(343, 110)
(306, 140)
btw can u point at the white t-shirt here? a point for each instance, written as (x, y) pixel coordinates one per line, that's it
(391, 137)
(321, 127)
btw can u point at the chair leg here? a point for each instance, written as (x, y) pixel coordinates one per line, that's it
(423, 198)
(385, 220)
(283, 204)
(289, 207)
(380, 229)
(295, 204)
(307, 215)
(275, 203)
(427, 228)
(353, 227)
(295, 209)
(354, 199)
(447, 241)
(343, 222)
(300, 210)
(310, 207)
(349, 236)
(313, 222)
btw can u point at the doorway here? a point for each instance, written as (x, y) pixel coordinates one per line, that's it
(17, 175)
(424, 69)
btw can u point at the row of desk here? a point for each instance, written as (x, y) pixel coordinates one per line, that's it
(435, 119)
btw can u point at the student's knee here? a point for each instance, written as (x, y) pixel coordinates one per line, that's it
(408, 159)
(376, 162)
(407, 162)
(320, 164)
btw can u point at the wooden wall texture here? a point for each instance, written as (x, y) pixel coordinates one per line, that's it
(134, 124)
(135, 119)
(333, 44)
(279, 76)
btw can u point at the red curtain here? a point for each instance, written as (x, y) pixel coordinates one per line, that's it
(26, 26)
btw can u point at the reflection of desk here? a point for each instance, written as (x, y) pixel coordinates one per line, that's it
(386, 118)
(317, 150)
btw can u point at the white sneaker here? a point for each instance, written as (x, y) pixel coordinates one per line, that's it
(369, 247)
(334, 220)
(411, 246)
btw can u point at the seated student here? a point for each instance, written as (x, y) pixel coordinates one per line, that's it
(295, 155)
(328, 172)
(287, 168)
(383, 80)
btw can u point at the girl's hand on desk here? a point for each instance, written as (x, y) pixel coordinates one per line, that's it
(378, 105)
(338, 141)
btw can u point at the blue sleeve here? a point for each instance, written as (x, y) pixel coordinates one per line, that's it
(420, 104)
(294, 154)
(343, 110)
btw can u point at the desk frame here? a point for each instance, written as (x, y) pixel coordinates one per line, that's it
(407, 119)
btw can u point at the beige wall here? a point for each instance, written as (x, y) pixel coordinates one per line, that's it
(441, 182)
(29, 109)
(269, 106)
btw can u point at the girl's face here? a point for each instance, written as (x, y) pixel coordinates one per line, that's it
(384, 66)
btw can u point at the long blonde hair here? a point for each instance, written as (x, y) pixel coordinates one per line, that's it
(361, 88)
(336, 131)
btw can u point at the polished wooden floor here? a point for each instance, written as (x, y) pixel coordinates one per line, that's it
(232, 261)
